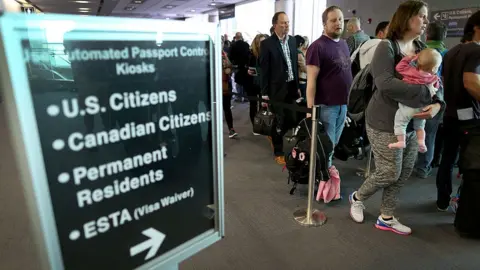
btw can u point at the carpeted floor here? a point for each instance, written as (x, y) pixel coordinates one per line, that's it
(261, 232)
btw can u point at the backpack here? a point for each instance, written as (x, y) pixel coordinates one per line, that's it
(297, 161)
(363, 86)
(354, 141)
(360, 92)
(356, 61)
(297, 164)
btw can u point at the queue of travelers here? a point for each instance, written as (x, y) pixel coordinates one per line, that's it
(424, 110)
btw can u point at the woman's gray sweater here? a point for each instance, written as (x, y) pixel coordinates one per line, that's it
(390, 90)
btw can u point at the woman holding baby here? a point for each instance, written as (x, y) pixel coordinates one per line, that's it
(404, 97)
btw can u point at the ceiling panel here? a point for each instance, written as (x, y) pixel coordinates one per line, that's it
(88, 7)
(169, 8)
(132, 8)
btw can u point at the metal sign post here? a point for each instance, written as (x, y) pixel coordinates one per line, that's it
(369, 164)
(310, 216)
(366, 172)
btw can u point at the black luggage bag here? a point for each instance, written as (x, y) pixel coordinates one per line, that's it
(467, 218)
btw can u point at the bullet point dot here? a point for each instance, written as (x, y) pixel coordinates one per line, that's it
(74, 235)
(53, 110)
(58, 144)
(82, 112)
(103, 109)
(63, 178)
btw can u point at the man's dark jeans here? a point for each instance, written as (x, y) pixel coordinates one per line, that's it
(451, 143)
(286, 119)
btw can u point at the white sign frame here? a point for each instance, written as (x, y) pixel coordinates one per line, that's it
(25, 137)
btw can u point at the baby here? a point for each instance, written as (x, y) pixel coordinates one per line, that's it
(419, 69)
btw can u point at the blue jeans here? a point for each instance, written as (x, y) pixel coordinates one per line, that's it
(303, 90)
(333, 119)
(424, 160)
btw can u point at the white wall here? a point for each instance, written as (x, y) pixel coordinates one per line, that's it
(13, 6)
(286, 6)
(198, 18)
(228, 27)
(254, 18)
(251, 18)
(308, 18)
(10, 5)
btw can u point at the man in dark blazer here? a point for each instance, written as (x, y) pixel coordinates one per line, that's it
(279, 66)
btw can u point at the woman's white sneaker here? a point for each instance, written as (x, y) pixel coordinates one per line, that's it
(392, 225)
(356, 208)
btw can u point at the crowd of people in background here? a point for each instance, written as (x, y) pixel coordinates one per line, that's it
(425, 99)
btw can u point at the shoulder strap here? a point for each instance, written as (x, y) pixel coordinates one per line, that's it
(420, 44)
(397, 55)
(396, 49)
(356, 52)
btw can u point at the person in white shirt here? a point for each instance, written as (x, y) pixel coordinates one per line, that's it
(367, 49)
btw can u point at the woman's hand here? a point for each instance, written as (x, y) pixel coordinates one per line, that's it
(428, 112)
(264, 104)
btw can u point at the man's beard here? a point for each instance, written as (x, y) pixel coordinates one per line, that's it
(333, 34)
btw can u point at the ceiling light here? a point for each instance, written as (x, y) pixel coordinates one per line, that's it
(82, 2)
(193, 10)
(138, 1)
(84, 11)
(83, 8)
(169, 6)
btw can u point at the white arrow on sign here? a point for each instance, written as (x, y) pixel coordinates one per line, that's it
(436, 16)
(154, 243)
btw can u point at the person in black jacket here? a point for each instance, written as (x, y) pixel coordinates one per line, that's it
(461, 73)
(253, 84)
(279, 78)
(238, 55)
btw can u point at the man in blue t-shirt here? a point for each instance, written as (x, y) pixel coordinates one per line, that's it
(436, 34)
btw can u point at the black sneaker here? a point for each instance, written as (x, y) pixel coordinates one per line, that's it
(442, 206)
(232, 133)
